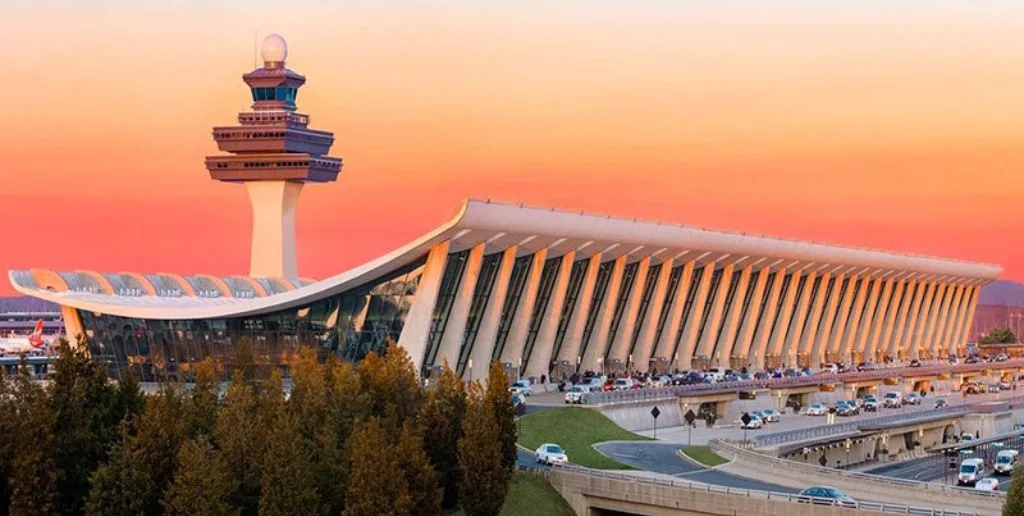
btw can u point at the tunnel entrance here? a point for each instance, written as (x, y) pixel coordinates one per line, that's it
(922, 385)
(947, 434)
(595, 511)
(864, 391)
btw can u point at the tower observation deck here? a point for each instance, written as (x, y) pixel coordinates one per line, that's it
(273, 153)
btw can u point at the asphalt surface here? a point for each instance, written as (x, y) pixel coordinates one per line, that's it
(929, 469)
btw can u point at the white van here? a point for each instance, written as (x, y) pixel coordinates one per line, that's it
(971, 470)
(1005, 461)
(893, 399)
(716, 373)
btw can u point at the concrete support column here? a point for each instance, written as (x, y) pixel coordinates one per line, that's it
(417, 323)
(760, 343)
(839, 328)
(455, 329)
(919, 319)
(273, 228)
(73, 328)
(939, 310)
(969, 317)
(649, 326)
(954, 314)
(624, 336)
(868, 316)
(945, 315)
(782, 327)
(814, 314)
(599, 334)
(876, 321)
(707, 339)
(911, 294)
(744, 340)
(544, 344)
(853, 321)
(688, 342)
(667, 342)
(578, 319)
(796, 326)
(516, 341)
(824, 333)
(483, 344)
(732, 319)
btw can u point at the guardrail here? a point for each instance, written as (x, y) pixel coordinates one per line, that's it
(797, 381)
(802, 434)
(845, 475)
(751, 493)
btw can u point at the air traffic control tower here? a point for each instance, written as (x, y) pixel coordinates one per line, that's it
(273, 153)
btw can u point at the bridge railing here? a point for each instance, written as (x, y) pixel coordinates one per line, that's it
(796, 381)
(751, 493)
(841, 476)
(803, 434)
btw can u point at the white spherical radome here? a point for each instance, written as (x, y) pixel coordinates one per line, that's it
(274, 49)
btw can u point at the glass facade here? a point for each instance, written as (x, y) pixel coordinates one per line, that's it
(688, 306)
(779, 307)
(815, 292)
(769, 284)
(741, 350)
(350, 324)
(481, 293)
(604, 274)
(454, 267)
(548, 278)
(730, 295)
(666, 306)
(576, 278)
(716, 281)
(645, 302)
(520, 273)
(279, 93)
(625, 288)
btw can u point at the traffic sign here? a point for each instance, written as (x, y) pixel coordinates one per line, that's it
(655, 412)
(745, 418)
(690, 417)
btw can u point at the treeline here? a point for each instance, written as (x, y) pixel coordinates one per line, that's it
(349, 440)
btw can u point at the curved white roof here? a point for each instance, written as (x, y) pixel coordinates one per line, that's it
(502, 225)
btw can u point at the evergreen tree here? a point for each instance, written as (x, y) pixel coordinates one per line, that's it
(311, 405)
(288, 481)
(88, 416)
(201, 484)
(500, 403)
(8, 440)
(120, 485)
(441, 423)
(202, 406)
(376, 482)
(240, 444)
(34, 473)
(484, 478)
(391, 384)
(1014, 505)
(421, 480)
(346, 404)
(129, 401)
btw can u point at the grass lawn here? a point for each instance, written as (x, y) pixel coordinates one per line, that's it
(576, 430)
(529, 495)
(704, 455)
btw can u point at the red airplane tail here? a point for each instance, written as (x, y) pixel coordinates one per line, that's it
(36, 338)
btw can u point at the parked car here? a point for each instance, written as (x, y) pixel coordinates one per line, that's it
(870, 403)
(1005, 385)
(915, 363)
(993, 387)
(551, 454)
(971, 471)
(893, 399)
(755, 422)
(941, 402)
(913, 399)
(771, 415)
(663, 381)
(846, 408)
(817, 409)
(825, 495)
(522, 387)
(1002, 357)
(624, 384)
(575, 394)
(1005, 460)
(518, 405)
(987, 484)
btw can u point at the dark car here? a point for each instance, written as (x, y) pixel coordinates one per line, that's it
(915, 363)
(825, 495)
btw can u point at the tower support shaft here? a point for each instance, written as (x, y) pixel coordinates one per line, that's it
(273, 228)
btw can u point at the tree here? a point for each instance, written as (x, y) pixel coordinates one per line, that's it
(201, 484)
(441, 424)
(421, 480)
(499, 401)
(129, 401)
(120, 485)
(34, 475)
(484, 478)
(288, 483)
(999, 336)
(311, 405)
(240, 443)
(391, 384)
(8, 441)
(202, 406)
(376, 482)
(1014, 505)
(346, 404)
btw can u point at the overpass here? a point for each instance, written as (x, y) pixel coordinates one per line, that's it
(606, 493)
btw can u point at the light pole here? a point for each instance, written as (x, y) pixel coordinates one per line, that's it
(470, 364)
(600, 365)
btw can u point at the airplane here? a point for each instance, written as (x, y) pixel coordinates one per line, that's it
(33, 341)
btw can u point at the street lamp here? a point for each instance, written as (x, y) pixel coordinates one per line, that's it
(470, 364)
(600, 365)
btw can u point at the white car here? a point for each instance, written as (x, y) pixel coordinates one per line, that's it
(1005, 460)
(987, 484)
(892, 399)
(818, 409)
(575, 394)
(522, 388)
(971, 472)
(623, 384)
(551, 454)
(771, 415)
(755, 423)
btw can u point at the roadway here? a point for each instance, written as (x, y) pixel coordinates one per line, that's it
(935, 468)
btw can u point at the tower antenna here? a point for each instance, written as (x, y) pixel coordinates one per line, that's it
(255, 48)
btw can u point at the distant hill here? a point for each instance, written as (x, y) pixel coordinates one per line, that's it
(1002, 293)
(26, 304)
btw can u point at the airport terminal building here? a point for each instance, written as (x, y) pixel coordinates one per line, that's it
(541, 290)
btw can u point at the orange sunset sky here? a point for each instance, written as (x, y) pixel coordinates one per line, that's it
(897, 125)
